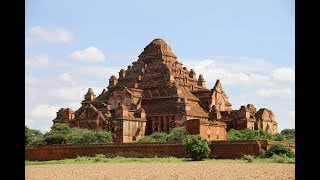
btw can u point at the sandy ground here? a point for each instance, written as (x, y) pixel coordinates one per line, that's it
(188, 170)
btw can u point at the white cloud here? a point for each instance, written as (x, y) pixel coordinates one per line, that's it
(40, 61)
(27, 40)
(291, 113)
(44, 61)
(30, 80)
(244, 71)
(284, 74)
(67, 94)
(66, 78)
(52, 34)
(90, 54)
(98, 72)
(241, 71)
(285, 93)
(43, 111)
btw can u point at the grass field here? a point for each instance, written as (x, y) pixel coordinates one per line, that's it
(102, 159)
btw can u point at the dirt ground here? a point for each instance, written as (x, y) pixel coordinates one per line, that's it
(188, 170)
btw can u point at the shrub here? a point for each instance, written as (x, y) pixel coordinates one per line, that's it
(263, 135)
(249, 158)
(82, 158)
(282, 159)
(33, 137)
(233, 134)
(278, 137)
(146, 139)
(281, 149)
(288, 131)
(278, 149)
(246, 134)
(61, 133)
(57, 134)
(289, 134)
(159, 136)
(264, 154)
(38, 140)
(103, 137)
(27, 135)
(79, 136)
(177, 134)
(100, 155)
(61, 128)
(54, 138)
(197, 147)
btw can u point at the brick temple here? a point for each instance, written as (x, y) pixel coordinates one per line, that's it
(157, 93)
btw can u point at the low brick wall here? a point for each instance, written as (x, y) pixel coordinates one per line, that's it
(234, 149)
(219, 149)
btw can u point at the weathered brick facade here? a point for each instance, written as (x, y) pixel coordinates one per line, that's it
(156, 93)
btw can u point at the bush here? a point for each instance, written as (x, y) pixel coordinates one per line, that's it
(248, 158)
(103, 137)
(233, 134)
(27, 135)
(159, 136)
(278, 149)
(38, 140)
(61, 133)
(61, 128)
(177, 134)
(81, 136)
(54, 138)
(57, 134)
(289, 134)
(100, 155)
(282, 159)
(146, 139)
(278, 137)
(33, 137)
(197, 147)
(247, 134)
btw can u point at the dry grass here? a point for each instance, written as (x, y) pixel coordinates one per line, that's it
(185, 170)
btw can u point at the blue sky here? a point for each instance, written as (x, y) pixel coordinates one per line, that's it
(74, 45)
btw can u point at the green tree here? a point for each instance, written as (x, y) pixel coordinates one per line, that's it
(177, 134)
(27, 135)
(289, 134)
(61, 128)
(81, 136)
(246, 134)
(233, 134)
(197, 147)
(103, 137)
(57, 134)
(279, 137)
(54, 138)
(33, 137)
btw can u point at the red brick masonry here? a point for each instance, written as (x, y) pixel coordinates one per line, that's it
(219, 149)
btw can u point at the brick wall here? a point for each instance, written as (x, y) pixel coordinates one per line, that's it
(219, 149)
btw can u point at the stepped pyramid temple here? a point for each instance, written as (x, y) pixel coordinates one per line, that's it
(155, 94)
